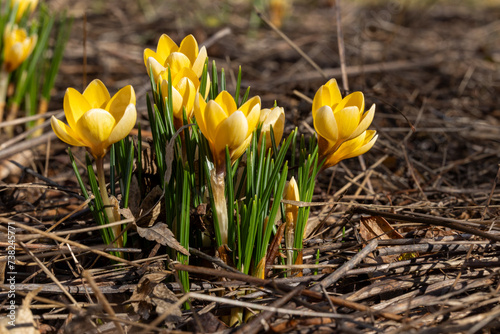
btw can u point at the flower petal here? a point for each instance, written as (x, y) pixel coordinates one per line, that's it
(120, 101)
(355, 99)
(248, 106)
(95, 126)
(291, 193)
(199, 114)
(352, 148)
(276, 119)
(214, 116)
(227, 103)
(263, 115)
(96, 94)
(155, 67)
(176, 61)
(253, 114)
(75, 105)
(148, 53)
(187, 90)
(176, 98)
(199, 63)
(326, 125)
(366, 120)
(186, 73)
(124, 125)
(347, 121)
(238, 152)
(232, 131)
(189, 47)
(165, 47)
(327, 95)
(65, 133)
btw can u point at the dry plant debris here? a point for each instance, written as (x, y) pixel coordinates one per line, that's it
(405, 239)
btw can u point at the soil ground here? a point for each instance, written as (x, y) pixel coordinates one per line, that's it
(431, 68)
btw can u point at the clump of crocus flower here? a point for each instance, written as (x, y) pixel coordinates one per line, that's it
(184, 64)
(224, 124)
(341, 124)
(187, 54)
(96, 121)
(23, 6)
(17, 46)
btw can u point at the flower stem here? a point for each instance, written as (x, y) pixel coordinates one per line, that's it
(112, 217)
(217, 179)
(4, 83)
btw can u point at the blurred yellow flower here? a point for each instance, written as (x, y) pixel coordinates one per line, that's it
(17, 47)
(96, 120)
(187, 54)
(22, 6)
(339, 121)
(272, 117)
(224, 124)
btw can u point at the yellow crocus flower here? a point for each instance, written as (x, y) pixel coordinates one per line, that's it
(185, 85)
(17, 47)
(223, 123)
(272, 117)
(291, 193)
(339, 120)
(95, 120)
(187, 54)
(22, 6)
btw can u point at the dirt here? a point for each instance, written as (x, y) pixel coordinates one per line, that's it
(431, 68)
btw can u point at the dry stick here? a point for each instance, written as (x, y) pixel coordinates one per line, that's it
(102, 300)
(52, 277)
(340, 41)
(77, 244)
(26, 144)
(291, 43)
(429, 220)
(27, 119)
(423, 248)
(26, 134)
(341, 272)
(254, 326)
(441, 286)
(238, 303)
(212, 259)
(273, 284)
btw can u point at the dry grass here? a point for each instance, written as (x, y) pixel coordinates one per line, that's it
(433, 73)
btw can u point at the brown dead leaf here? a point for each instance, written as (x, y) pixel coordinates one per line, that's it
(376, 227)
(150, 294)
(134, 196)
(162, 235)
(151, 207)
